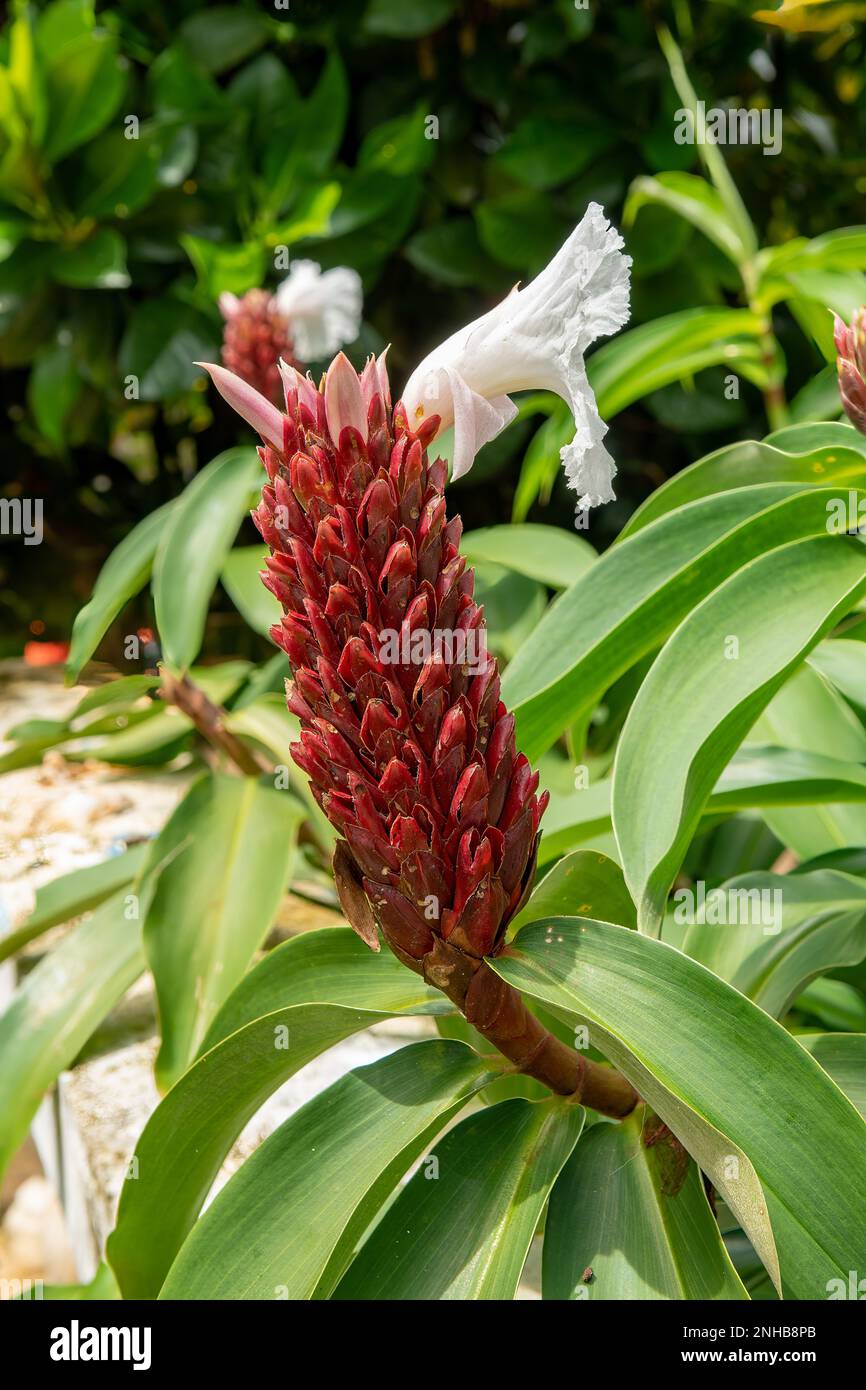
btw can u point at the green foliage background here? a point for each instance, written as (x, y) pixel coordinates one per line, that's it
(305, 127)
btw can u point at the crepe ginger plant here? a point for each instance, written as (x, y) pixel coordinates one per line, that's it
(672, 1107)
(309, 316)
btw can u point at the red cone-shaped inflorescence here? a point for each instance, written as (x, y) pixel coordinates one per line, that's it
(255, 337)
(851, 366)
(409, 750)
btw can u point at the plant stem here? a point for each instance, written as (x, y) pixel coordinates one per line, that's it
(209, 719)
(775, 402)
(500, 1015)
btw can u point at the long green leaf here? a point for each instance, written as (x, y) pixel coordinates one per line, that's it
(242, 579)
(193, 548)
(545, 553)
(584, 884)
(793, 455)
(770, 934)
(711, 157)
(651, 356)
(809, 714)
(301, 999)
(328, 966)
(286, 1224)
(71, 894)
(189, 1134)
(635, 1216)
(53, 1013)
(636, 593)
(231, 842)
(124, 573)
(774, 1134)
(462, 1227)
(763, 778)
(693, 199)
(702, 695)
(843, 1057)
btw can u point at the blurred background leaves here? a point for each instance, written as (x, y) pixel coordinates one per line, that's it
(153, 155)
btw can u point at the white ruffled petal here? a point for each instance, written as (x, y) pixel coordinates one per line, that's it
(536, 340)
(476, 421)
(323, 309)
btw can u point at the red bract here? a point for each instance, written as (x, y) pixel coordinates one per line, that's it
(409, 750)
(256, 336)
(851, 366)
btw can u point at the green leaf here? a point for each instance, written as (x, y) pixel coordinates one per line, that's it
(312, 144)
(179, 88)
(755, 777)
(102, 1288)
(843, 1057)
(242, 579)
(230, 844)
(812, 295)
(759, 776)
(544, 553)
(826, 435)
(124, 573)
(85, 80)
(630, 1212)
(61, 23)
(71, 895)
(693, 199)
(668, 349)
(52, 390)
(301, 999)
(189, 1134)
(155, 740)
(543, 153)
(221, 36)
(266, 720)
(399, 146)
(843, 664)
(698, 702)
(463, 1231)
(286, 1224)
(542, 464)
(163, 340)
(126, 691)
(636, 593)
(842, 249)
(119, 174)
(193, 549)
(395, 20)
(223, 267)
(450, 253)
(725, 1078)
(834, 1004)
(769, 935)
(60, 1003)
(25, 77)
(817, 455)
(583, 884)
(710, 155)
(809, 714)
(310, 216)
(520, 230)
(96, 264)
(329, 966)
